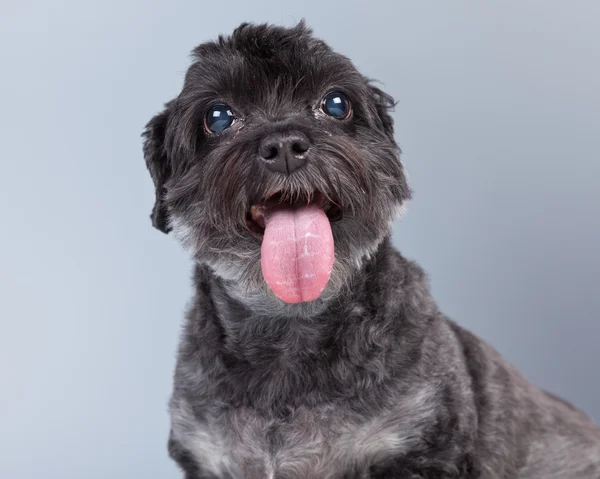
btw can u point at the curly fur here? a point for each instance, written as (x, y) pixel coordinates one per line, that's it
(369, 381)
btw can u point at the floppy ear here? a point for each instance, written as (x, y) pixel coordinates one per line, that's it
(158, 164)
(384, 104)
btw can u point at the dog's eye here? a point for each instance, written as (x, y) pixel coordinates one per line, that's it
(218, 118)
(337, 105)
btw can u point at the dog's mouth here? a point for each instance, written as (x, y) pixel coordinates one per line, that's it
(297, 248)
(255, 216)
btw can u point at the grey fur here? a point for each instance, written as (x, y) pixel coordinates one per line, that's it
(369, 381)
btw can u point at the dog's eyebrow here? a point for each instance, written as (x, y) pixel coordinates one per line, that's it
(300, 80)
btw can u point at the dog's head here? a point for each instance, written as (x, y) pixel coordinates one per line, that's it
(276, 165)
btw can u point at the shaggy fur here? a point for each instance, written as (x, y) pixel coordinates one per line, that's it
(368, 381)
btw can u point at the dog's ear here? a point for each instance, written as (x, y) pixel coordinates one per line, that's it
(158, 164)
(384, 104)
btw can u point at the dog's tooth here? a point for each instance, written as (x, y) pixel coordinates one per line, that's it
(255, 212)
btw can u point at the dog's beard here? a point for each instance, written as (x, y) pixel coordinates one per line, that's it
(256, 230)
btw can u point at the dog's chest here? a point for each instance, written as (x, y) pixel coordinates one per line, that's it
(305, 445)
(313, 443)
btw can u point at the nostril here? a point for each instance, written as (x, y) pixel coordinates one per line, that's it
(269, 151)
(300, 147)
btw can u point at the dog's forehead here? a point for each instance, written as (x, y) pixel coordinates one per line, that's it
(264, 63)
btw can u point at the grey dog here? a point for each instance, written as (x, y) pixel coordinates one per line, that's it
(312, 348)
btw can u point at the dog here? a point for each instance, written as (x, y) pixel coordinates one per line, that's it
(312, 348)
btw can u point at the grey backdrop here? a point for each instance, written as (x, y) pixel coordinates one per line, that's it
(499, 120)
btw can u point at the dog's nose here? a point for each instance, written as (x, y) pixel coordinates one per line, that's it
(284, 152)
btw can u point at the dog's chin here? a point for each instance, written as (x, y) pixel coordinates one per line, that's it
(236, 258)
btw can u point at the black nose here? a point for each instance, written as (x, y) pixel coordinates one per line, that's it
(284, 152)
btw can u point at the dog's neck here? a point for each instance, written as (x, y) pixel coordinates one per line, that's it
(238, 309)
(281, 356)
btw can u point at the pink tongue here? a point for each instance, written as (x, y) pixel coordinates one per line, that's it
(297, 253)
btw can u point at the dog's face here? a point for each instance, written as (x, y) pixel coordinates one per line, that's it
(276, 165)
